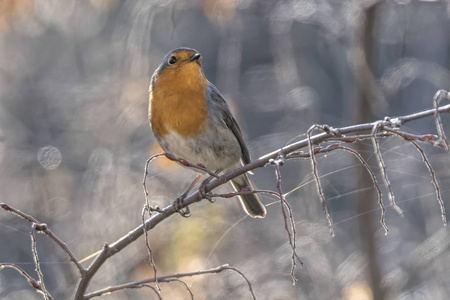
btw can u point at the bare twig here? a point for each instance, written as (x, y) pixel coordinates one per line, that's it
(375, 184)
(332, 147)
(144, 184)
(37, 265)
(151, 287)
(430, 139)
(43, 228)
(433, 180)
(441, 94)
(131, 286)
(149, 209)
(35, 284)
(169, 278)
(290, 228)
(376, 147)
(184, 284)
(149, 248)
(316, 178)
(242, 192)
(387, 132)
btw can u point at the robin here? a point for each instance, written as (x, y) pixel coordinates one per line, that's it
(191, 120)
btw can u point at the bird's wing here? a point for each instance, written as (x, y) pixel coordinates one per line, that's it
(225, 115)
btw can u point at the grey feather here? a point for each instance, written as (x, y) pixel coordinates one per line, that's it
(227, 118)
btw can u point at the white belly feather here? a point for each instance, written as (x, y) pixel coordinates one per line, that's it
(216, 149)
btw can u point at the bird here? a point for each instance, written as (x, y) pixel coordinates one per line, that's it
(191, 120)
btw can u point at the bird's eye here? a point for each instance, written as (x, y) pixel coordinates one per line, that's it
(172, 60)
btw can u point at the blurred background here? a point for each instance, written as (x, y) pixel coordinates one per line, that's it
(74, 137)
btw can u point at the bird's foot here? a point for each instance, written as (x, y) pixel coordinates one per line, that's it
(202, 190)
(177, 207)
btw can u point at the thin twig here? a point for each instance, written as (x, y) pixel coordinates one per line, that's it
(149, 209)
(35, 284)
(144, 184)
(317, 180)
(433, 140)
(149, 249)
(376, 147)
(169, 278)
(242, 192)
(294, 242)
(290, 228)
(441, 94)
(37, 265)
(430, 139)
(43, 228)
(136, 286)
(184, 284)
(375, 184)
(243, 276)
(151, 287)
(433, 180)
(316, 150)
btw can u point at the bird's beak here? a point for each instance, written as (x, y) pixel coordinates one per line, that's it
(196, 57)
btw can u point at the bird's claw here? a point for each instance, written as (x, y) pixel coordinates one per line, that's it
(202, 191)
(177, 207)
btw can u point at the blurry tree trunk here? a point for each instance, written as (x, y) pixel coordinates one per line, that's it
(366, 99)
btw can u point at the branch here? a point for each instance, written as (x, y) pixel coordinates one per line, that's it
(37, 265)
(169, 278)
(375, 184)
(35, 284)
(43, 228)
(149, 209)
(316, 174)
(364, 131)
(289, 227)
(441, 94)
(430, 169)
(433, 180)
(376, 147)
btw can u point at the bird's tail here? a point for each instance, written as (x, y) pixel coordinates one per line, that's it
(250, 202)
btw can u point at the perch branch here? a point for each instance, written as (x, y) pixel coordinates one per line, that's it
(164, 213)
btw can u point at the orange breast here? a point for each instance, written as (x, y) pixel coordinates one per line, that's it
(177, 103)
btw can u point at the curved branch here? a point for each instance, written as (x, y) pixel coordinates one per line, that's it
(169, 278)
(163, 214)
(43, 228)
(33, 282)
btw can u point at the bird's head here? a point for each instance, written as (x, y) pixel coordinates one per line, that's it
(180, 69)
